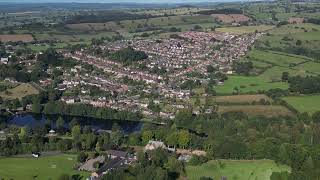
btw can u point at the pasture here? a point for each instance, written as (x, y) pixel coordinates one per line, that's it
(310, 67)
(269, 66)
(175, 11)
(241, 99)
(245, 29)
(257, 110)
(19, 92)
(236, 169)
(304, 103)
(246, 84)
(42, 168)
(132, 25)
(276, 58)
(16, 38)
(285, 38)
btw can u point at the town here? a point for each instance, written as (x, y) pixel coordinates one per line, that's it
(168, 90)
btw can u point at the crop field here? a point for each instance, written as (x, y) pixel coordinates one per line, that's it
(309, 104)
(257, 110)
(50, 167)
(236, 169)
(245, 29)
(16, 38)
(241, 99)
(19, 92)
(246, 84)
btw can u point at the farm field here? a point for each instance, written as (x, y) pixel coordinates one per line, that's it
(276, 58)
(285, 39)
(19, 92)
(309, 104)
(257, 110)
(131, 25)
(43, 168)
(312, 67)
(269, 66)
(16, 38)
(236, 169)
(247, 84)
(275, 73)
(241, 99)
(179, 11)
(245, 29)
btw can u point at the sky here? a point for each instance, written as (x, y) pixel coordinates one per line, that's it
(115, 1)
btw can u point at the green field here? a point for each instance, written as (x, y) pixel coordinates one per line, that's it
(285, 39)
(268, 69)
(245, 29)
(241, 99)
(257, 110)
(308, 104)
(247, 84)
(236, 169)
(19, 92)
(131, 25)
(276, 58)
(312, 67)
(42, 168)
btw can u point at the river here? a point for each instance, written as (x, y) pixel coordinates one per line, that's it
(34, 120)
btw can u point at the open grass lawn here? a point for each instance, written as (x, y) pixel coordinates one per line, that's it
(241, 99)
(257, 110)
(245, 29)
(306, 103)
(236, 169)
(285, 37)
(273, 65)
(43, 168)
(311, 67)
(247, 84)
(276, 58)
(19, 92)
(275, 73)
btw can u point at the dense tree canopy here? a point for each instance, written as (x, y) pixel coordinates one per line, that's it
(128, 55)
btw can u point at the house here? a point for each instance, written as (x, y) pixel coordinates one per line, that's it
(52, 133)
(112, 154)
(152, 145)
(89, 164)
(113, 164)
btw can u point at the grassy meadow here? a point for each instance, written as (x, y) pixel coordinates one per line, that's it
(19, 92)
(285, 39)
(241, 99)
(236, 169)
(245, 29)
(257, 110)
(246, 84)
(43, 168)
(307, 103)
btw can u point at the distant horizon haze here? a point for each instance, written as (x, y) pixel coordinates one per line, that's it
(123, 1)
